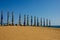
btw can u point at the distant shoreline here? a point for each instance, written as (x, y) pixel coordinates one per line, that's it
(34, 26)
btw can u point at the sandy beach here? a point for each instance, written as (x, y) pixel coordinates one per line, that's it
(29, 33)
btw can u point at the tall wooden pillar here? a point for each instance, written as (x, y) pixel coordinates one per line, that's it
(41, 22)
(27, 20)
(24, 20)
(31, 21)
(49, 23)
(7, 18)
(44, 22)
(1, 18)
(34, 20)
(37, 21)
(12, 19)
(20, 19)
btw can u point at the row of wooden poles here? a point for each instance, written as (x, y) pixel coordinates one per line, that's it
(36, 20)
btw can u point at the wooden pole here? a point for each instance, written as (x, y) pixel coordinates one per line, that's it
(34, 20)
(44, 22)
(1, 18)
(31, 20)
(12, 19)
(20, 19)
(24, 20)
(37, 21)
(41, 22)
(49, 23)
(27, 20)
(7, 18)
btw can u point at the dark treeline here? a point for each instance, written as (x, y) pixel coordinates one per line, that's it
(34, 21)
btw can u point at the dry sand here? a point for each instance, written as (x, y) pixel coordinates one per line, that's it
(29, 33)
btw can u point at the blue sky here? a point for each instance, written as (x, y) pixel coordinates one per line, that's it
(41, 8)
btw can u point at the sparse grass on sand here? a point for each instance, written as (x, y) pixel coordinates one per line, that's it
(29, 33)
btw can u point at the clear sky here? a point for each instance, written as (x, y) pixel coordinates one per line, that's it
(41, 8)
